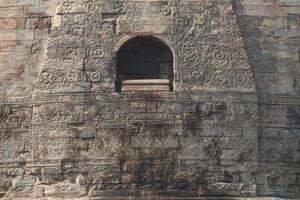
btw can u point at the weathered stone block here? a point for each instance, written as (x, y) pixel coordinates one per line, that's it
(69, 134)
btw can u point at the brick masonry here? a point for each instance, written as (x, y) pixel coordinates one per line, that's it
(24, 29)
(271, 34)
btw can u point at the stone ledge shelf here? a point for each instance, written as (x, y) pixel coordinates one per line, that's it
(154, 198)
(157, 85)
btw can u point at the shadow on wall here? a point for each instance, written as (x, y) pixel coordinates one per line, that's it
(267, 38)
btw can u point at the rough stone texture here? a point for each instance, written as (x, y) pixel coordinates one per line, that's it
(24, 29)
(65, 133)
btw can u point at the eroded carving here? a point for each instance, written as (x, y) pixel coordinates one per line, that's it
(78, 138)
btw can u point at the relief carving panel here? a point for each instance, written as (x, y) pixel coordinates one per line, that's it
(78, 137)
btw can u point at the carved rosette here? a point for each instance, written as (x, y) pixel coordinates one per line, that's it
(79, 138)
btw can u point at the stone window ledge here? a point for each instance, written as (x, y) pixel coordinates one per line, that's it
(155, 85)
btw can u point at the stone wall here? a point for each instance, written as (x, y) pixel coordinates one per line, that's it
(270, 30)
(24, 29)
(271, 35)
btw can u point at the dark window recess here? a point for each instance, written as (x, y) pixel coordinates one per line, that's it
(144, 63)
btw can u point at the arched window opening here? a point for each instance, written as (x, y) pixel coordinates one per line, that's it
(144, 63)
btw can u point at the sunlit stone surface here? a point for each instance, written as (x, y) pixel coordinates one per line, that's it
(207, 109)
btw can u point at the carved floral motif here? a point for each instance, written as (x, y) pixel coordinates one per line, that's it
(84, 142)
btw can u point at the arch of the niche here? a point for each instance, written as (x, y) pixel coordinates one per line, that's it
(128, 38)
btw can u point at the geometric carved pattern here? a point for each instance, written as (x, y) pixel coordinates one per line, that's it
(82, 139)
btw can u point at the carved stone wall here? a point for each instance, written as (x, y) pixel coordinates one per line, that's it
(215, 135)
